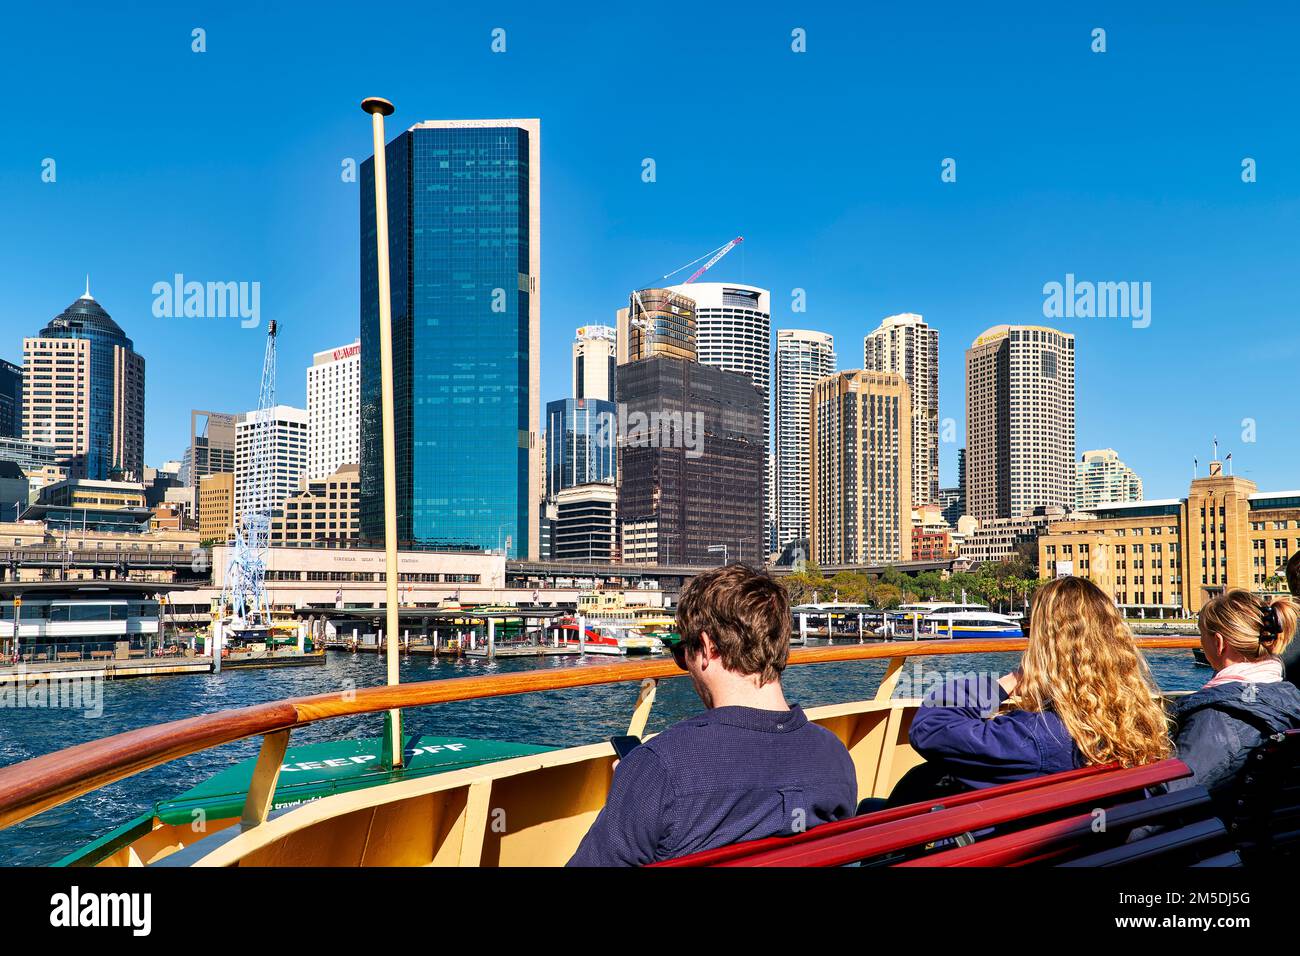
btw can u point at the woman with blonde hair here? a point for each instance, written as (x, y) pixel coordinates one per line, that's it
(1243, 637)
(1082, 695)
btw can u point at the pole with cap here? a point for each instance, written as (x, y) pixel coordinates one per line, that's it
(378, 109)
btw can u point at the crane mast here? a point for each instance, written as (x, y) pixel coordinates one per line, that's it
(245, 586)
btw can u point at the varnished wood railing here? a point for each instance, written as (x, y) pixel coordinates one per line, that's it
(36, 785)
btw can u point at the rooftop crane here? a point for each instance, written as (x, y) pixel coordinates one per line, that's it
(713, 258)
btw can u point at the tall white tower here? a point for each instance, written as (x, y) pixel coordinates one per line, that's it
(802, 358)
(333, 410)
(906, 345)
(274, 471)
(593, 362)
(733, 331)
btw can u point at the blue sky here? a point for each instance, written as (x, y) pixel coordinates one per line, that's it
(1118, 166)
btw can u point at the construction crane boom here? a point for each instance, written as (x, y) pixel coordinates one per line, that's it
(714, 261)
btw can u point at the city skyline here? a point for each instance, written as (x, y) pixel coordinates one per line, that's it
(1023, 212)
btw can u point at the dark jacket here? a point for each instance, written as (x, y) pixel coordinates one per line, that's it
(730, 774)
(1219, 726)
(952, 726)
(1291, 662)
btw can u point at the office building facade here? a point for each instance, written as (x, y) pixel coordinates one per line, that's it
(660, 322)
(323, 513)
(83, 393)
(860, 456)
(1172, 555)
(286, 458)
(581, 443)
(464, 215)
(733, 331)
(1019, 421)
(586, 524)
(11, 400)
(212, 446)
(216, 507)
(691, 463)
(333, 410)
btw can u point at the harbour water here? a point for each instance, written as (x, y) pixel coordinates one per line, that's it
(557, 718)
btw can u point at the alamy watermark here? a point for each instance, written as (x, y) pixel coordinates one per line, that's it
(46, 691)
(208, 300)
(978, 689)
(655, 428)
(1101, 300)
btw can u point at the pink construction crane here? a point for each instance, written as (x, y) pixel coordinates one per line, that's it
(713, 257)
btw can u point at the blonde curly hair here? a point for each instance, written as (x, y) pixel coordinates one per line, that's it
(1082, 663)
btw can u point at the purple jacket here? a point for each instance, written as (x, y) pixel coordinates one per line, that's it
(952, 727)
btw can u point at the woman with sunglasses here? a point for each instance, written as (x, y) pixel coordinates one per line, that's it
(1243, 637)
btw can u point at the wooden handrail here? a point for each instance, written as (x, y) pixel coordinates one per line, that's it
(36, 785)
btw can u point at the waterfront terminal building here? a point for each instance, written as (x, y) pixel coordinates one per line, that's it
(1171, 556)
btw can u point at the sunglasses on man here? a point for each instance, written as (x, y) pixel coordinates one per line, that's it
(676, 646)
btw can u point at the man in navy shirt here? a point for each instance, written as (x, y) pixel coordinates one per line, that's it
(750, 766)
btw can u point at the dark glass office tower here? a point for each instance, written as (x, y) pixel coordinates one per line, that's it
(11, 400)
(464, 245)
(691, 464)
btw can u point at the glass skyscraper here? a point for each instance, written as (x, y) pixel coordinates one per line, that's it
(581, 443)
(464, 245)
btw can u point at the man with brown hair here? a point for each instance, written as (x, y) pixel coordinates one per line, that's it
(750, 766)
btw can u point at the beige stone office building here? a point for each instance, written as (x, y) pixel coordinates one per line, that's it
(1174, 554)
(325, 513)
(860, 456)
(217, 506)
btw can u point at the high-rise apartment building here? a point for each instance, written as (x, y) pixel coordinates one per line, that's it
(464, 215)
(594, 362)
(333, 410)
(803, 358)
(211, 449)
(1019, 421)
(905, 344)
(861, 469)
(287, 461)
(83, 393)
(1101, 478)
